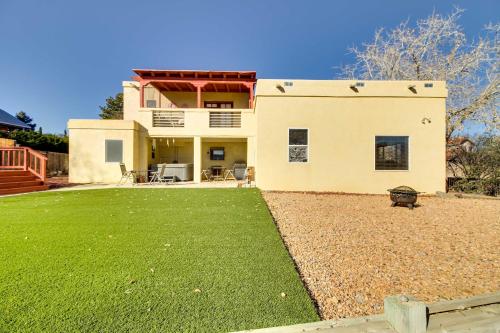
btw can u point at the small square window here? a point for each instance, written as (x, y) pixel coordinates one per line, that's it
(428, 85)
(360, 84)
(113, 151)
(288, 84)
(297, 136)
(151, 103)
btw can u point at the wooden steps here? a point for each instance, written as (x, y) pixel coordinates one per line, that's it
(13, 182)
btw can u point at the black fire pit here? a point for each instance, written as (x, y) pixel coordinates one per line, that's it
(403, 195)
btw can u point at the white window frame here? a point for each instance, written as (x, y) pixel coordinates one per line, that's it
(106, 150)
(289, 145)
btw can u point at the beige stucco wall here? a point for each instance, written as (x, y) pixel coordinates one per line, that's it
(233, 151)
(342, 128)
(188, 99)
(87, 149)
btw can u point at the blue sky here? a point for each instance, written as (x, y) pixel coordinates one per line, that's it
(61, 59)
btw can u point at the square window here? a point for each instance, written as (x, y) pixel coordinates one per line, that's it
(151, 103)
(297, 136)
(297, 154)
(113, 151)
(391, 153)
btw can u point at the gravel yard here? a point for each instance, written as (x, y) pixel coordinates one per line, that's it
(353, 250)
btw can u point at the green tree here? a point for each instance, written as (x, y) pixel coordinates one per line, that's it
(43, 142)
(113, 108)
(23, 116)
(40, 130)
(479, 167)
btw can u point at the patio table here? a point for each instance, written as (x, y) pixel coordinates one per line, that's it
(217, 172)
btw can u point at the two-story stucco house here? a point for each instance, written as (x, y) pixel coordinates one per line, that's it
(299, 135)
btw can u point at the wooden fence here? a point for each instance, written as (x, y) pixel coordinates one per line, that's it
(57, 163)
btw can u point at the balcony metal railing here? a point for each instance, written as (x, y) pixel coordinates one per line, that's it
(168, 118)
(225, 119)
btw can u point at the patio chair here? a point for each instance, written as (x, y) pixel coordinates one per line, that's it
(250, 176)
(207, 173)
(163, 178)
(126, 175)
(229, 175)
(155, 175)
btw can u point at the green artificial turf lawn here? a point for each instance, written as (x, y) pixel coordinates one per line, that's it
(145, 260)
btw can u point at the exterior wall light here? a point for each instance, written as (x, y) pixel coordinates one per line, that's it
(413, 88)
(356, 86)
(280, 88)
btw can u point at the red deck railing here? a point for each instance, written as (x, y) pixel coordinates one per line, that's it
(25, 159)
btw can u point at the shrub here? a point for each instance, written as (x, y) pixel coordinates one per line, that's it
(480, 167)
(38, 141)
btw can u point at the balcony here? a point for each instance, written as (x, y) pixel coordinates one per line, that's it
(195, 102)
(194, 121)
(217, 119)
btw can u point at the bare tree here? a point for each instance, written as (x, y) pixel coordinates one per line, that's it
(437, 49)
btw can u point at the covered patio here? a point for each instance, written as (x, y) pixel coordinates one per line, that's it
(200, 159)
(195, 89)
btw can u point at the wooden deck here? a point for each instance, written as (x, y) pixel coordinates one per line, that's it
(479, 314)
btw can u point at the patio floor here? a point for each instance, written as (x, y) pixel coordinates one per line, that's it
(214, 184)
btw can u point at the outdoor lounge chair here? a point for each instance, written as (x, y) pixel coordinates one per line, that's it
(126, 175)
(163, 178)
(157, 176)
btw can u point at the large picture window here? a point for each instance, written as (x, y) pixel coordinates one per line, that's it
(298, 145)
(114, 151)
(391, 153)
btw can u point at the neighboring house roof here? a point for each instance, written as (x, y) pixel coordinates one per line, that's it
(456, 144)
(459, 140)
(10, 121)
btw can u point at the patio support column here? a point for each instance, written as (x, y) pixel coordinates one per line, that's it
(197, 159)
(250, 95)
(198, 85)
(141, 94)
(251, 151)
